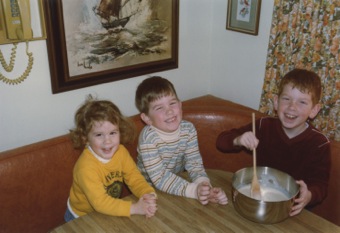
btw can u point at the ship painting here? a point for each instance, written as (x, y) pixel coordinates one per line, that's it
(116, 33)
(116, 13)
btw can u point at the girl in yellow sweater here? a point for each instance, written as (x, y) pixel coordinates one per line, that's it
(105, 164)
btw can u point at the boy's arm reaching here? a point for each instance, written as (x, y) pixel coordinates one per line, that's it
(229, 141)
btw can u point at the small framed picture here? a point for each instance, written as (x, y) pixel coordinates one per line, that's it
(244, 16)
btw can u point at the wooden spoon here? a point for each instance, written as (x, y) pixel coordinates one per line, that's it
(255, 191)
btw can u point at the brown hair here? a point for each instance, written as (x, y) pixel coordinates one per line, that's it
(304, 80)
(100, 110)
(152, 89)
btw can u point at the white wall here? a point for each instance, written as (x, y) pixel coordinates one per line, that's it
(211, 60)
(238, 60)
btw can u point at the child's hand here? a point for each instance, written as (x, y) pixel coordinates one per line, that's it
(248, 140)
(146, 205)
(304, 198)
(150, 199)
(217, 195)
(203, 192)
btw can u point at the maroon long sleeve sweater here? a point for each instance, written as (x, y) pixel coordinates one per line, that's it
(305, 157)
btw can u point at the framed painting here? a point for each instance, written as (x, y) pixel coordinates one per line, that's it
(90, 42)
(244, 16)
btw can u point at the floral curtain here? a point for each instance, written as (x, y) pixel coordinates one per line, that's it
(306, 34)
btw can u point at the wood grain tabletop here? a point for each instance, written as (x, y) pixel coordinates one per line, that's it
(179, 214)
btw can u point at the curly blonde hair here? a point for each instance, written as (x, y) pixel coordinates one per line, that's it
(96, 111)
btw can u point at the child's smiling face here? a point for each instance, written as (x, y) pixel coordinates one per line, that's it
(164, 113)
(104, 139)
(294, 108)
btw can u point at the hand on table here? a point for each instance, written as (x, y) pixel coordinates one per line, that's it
(203, 192)
(207, 194)
(150, 199)
(217, 195)
(146, 205)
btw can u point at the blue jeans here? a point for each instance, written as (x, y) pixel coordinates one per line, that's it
(68, 215)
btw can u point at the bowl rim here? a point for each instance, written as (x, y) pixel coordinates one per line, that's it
(292, 196)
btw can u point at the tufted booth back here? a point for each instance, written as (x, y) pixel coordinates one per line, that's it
(35, 180)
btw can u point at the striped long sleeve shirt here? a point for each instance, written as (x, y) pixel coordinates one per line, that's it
(160, 161)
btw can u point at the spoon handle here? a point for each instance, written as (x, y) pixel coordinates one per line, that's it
(254, 150)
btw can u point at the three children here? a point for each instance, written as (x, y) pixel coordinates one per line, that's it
(168, 146)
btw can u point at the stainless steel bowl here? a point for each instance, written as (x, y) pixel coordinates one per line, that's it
(264, 211)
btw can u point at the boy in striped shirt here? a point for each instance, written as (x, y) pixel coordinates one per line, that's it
(168, 145)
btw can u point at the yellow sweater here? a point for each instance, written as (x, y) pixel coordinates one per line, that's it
(97, 186)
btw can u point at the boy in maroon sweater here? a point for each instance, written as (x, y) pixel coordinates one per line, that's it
(289, 142)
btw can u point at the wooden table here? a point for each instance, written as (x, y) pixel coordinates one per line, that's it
(179, 214)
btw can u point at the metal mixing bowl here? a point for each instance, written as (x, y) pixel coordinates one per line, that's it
(264, 211)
